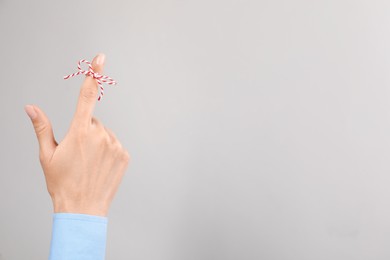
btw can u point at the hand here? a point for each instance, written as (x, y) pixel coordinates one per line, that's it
(84, 171)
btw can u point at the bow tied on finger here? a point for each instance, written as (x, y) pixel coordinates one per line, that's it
(100, 79)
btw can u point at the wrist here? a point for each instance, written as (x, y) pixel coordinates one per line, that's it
(66, 206)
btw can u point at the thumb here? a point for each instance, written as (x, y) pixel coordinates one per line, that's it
(43, 130)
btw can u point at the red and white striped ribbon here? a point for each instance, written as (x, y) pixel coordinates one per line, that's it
(99, 78)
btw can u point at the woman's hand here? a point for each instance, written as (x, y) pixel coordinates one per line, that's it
(84, 171)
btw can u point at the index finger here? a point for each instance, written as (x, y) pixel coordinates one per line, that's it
(88, 93)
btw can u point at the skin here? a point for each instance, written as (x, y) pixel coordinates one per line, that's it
(84, 171)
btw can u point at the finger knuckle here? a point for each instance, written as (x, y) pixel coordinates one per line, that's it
(126, 156)
(104, 139)
(42, 158)
(88, 93)
(41, 128)
(116, 146)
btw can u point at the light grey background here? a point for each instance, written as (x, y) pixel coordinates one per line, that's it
(258, 129)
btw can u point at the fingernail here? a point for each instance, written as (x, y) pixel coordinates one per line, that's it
(100, 58)
(30, 111)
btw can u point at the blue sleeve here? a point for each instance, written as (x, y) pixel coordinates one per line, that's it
(78, 237)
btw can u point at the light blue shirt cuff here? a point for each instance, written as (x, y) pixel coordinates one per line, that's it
(78, 237)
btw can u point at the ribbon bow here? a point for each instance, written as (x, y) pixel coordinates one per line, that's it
(99, 78)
